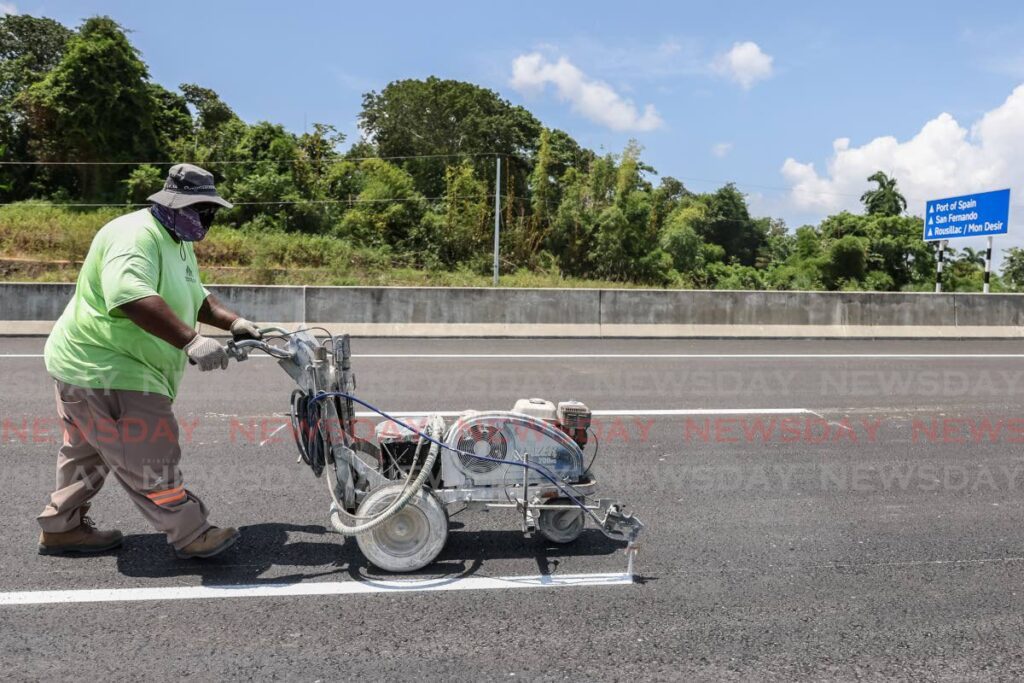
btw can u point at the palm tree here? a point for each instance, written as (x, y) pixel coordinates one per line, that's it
(972, 256)
(885, 200)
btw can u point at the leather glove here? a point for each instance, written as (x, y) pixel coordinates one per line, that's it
(207, 353)
(245, 329)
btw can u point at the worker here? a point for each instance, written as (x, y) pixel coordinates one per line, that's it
(117, 355)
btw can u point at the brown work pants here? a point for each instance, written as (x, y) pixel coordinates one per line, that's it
(134, 435)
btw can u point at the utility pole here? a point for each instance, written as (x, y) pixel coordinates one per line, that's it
(497, 217)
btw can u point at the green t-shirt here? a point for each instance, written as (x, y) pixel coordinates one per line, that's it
(94, 344)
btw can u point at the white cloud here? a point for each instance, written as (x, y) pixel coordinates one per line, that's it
(594, 99)
(942, 159)
(721, 149)
(745, 63)
(8, 8)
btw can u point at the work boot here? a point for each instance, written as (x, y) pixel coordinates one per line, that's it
(85, 538)
(212, 542)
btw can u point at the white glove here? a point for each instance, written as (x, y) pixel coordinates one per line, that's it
(207, 353)
(245, 328)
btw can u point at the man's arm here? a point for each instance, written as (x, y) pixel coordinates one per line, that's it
(214, 312)
(152, 314)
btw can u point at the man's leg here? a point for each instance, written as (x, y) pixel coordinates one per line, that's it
(80, 469)
(144, 458)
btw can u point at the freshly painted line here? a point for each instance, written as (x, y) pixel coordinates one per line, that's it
(287, 590)
(646, 356)
(655, 356)
(629, 412)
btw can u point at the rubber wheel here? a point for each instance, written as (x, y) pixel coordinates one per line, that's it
(411, 539)
(561, 526)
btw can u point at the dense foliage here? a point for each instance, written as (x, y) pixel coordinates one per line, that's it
(420, 185)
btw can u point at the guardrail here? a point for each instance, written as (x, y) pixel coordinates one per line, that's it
(31, 308)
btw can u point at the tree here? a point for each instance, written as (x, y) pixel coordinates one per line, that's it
(727, 223)
(627, 243)
(172, 119)
(543, 189)
(885, 200)
(846, 262)
(444, 119)
(143, 181)
(389, 208)
(465, 232)
(211, 111)
(1013, 268)
(29, 48)
(571, 238)
(94, 105)
(680, 240)
(972, 256)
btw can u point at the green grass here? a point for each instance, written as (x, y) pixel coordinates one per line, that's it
(42, 243)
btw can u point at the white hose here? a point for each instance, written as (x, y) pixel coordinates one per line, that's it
(403, 500)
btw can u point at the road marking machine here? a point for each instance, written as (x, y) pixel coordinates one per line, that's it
(395, 495)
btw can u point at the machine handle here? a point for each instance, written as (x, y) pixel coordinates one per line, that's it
(239, 349)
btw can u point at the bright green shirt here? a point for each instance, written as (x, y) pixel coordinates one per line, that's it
(94, 344)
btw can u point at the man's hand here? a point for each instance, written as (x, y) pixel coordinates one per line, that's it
(206, 353)
(245, 329)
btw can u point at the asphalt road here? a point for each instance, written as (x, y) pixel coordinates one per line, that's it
(875, 530)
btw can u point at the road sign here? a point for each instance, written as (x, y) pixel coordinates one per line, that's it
(972, 215)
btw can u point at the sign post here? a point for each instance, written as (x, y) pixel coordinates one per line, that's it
(988, 263)
(972, 215)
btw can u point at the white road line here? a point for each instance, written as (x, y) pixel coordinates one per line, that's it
(273, 434)
(284, 590)
(648, 356)
(656, 356)
(628, 412)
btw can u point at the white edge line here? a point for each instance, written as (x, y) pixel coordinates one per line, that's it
(647, 356)
(641, 356)
(360, 587)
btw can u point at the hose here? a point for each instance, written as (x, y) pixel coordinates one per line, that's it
(396, 507)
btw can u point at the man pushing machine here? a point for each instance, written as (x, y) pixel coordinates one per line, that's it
(117, 355)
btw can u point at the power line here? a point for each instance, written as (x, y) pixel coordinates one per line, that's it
(284, 202)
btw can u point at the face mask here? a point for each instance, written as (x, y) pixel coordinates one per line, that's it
(184, 223)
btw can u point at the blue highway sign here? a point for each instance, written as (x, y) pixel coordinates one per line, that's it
(972, 215)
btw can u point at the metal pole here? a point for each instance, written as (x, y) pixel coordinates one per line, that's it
(497, 217)
(988, 264)
(938, 270)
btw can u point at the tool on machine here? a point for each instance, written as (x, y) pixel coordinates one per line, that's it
(394, 495)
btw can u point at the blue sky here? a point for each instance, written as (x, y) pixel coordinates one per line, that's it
(722, 91)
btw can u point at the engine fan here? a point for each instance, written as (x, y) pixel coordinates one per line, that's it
(486, 441)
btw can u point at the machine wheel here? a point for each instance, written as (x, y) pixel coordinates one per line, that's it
(411, 539)
(561, 526)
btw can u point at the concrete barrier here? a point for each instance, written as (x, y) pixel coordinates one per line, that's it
(30, 308)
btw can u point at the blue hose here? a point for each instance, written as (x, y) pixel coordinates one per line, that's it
(543, 471)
